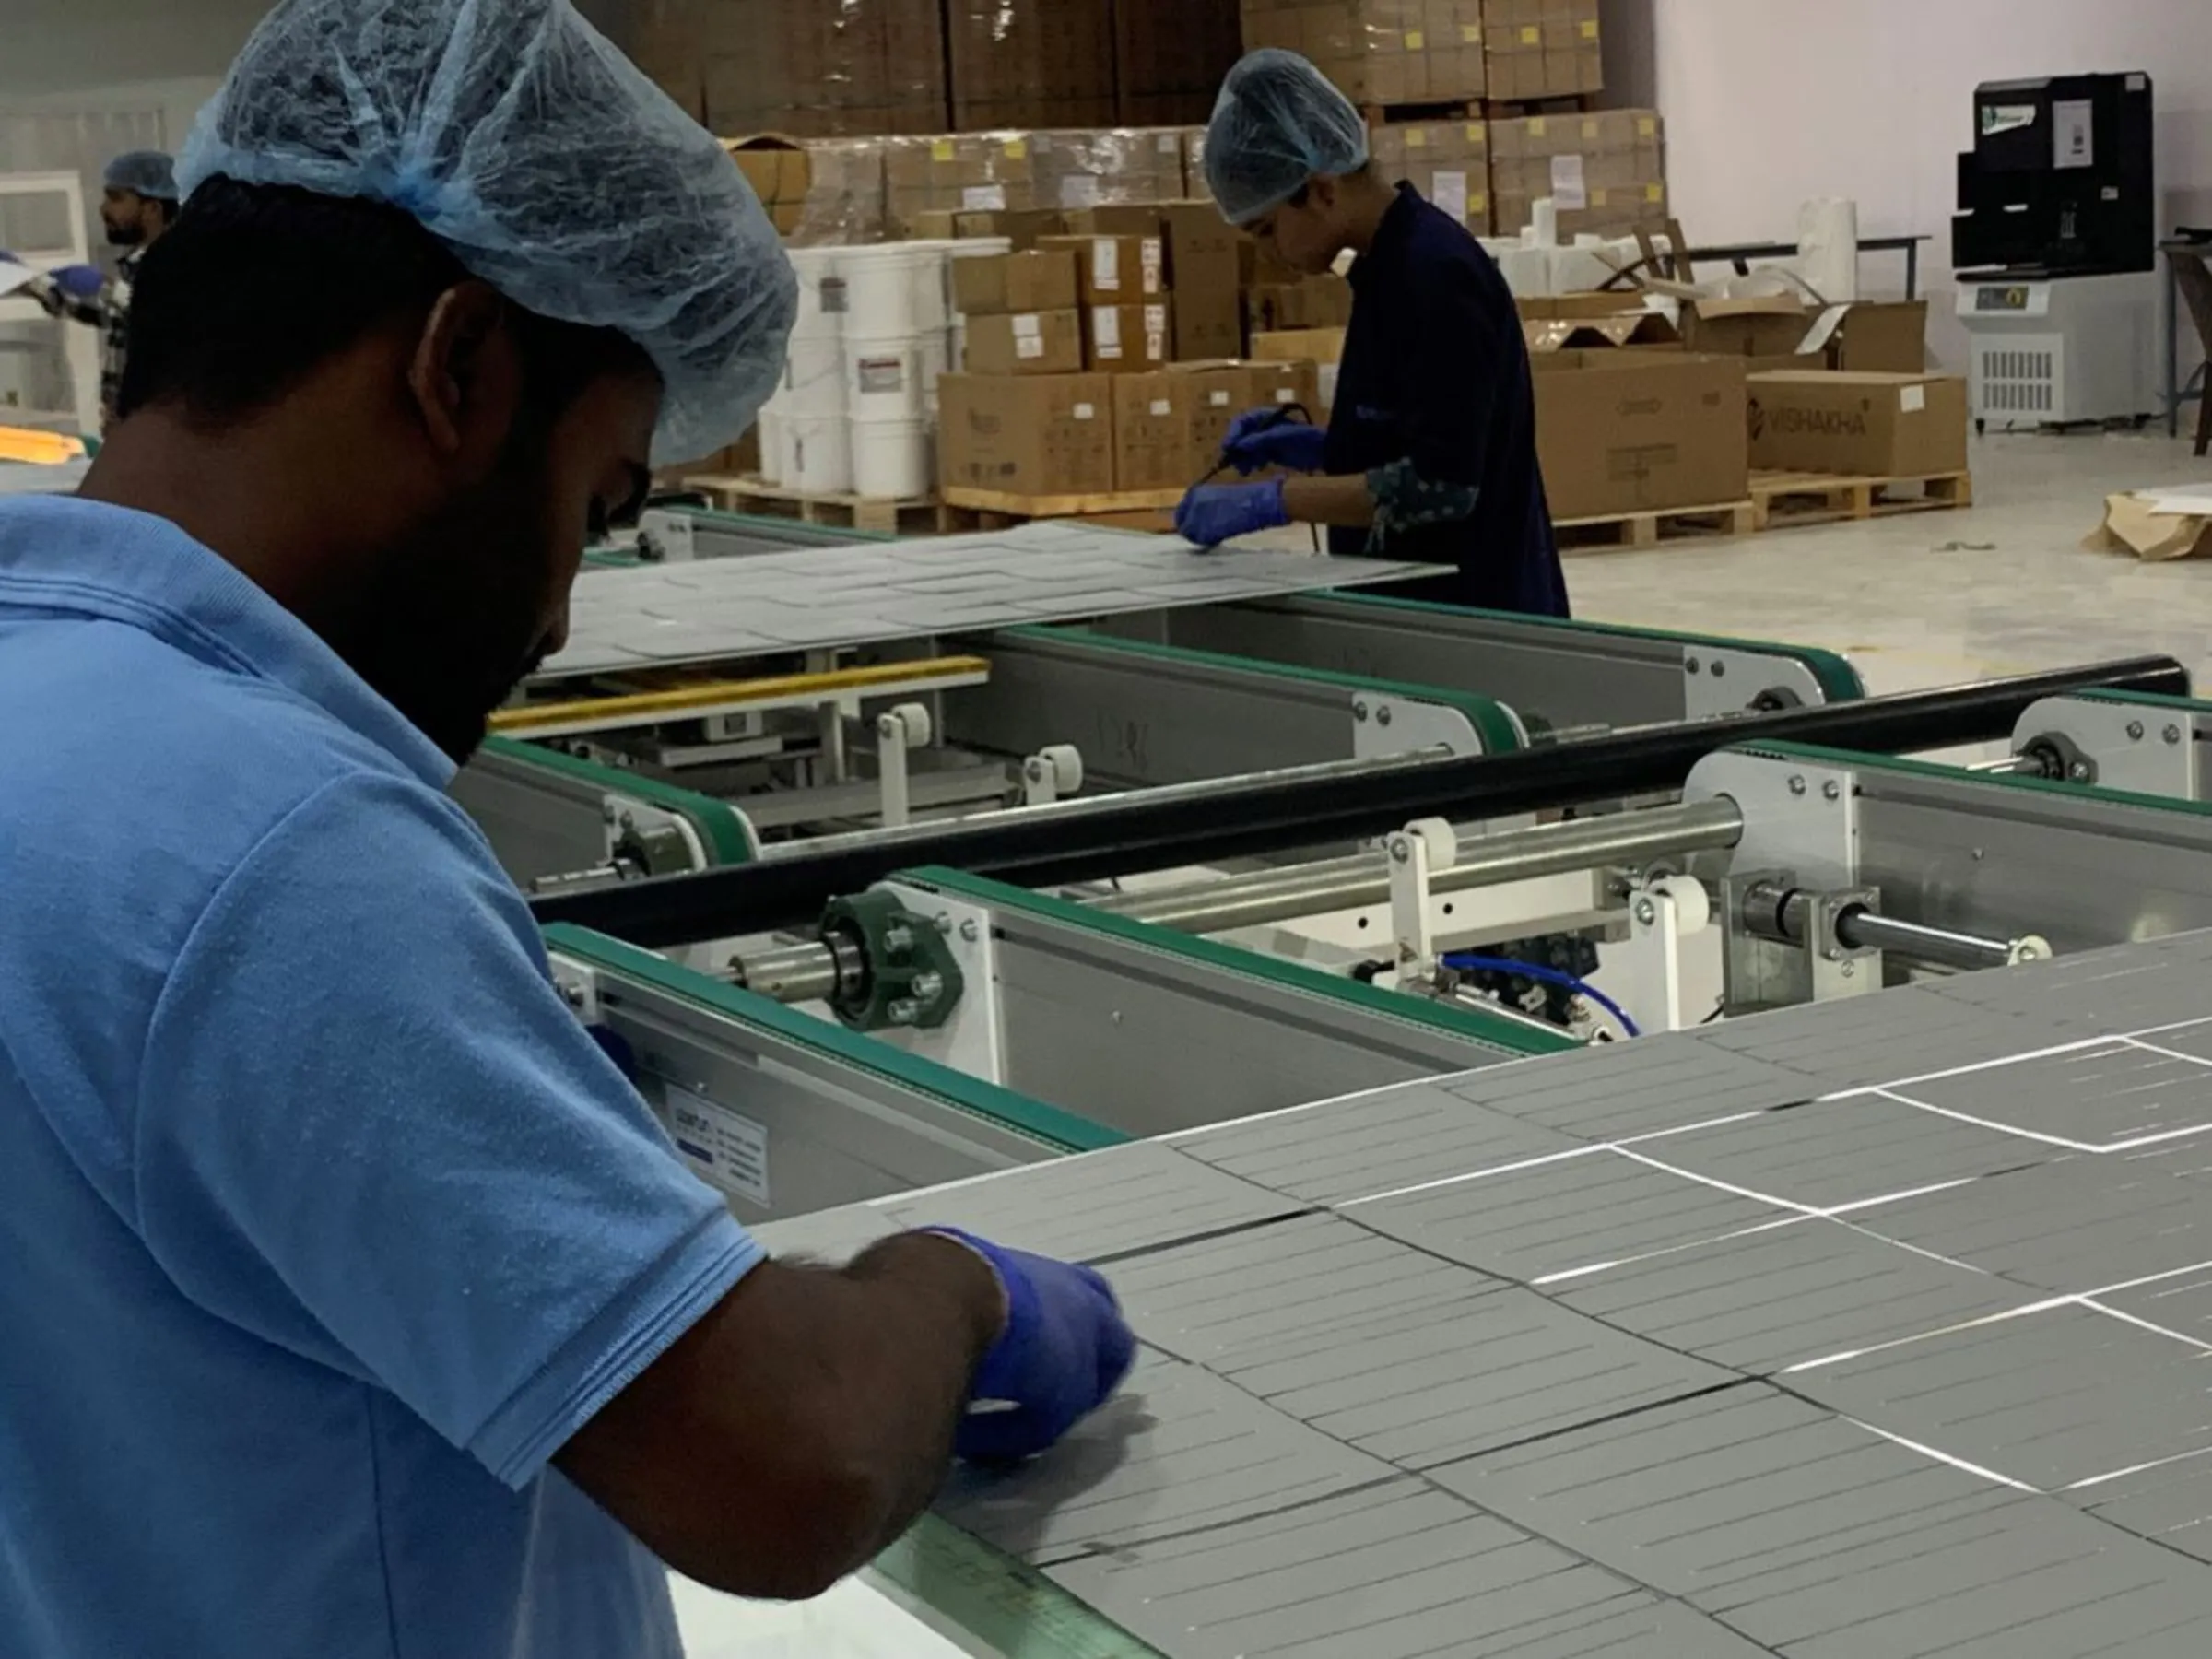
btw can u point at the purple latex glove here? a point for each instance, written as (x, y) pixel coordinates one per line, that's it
(1063, 1351)
(1262, 437)
(79, 281)
(1212, 513)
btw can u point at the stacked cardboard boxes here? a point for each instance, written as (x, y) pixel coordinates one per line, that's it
(1538, 49)
(1606, 172)
(1023, 172)
(1029, 64)
(1169, 57)
(1380, 52)
(866, 66)
(1448, 161)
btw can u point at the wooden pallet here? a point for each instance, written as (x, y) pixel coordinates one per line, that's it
(1440, 109)
(1526, 109)
(918, 515)
(1784, 499)
(1124, 509)
(1612, 531)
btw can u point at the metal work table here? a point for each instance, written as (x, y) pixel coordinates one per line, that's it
(1875, 1328)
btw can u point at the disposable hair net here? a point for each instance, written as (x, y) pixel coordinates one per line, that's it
(553, 169)
(1277, 124)
(149, 173)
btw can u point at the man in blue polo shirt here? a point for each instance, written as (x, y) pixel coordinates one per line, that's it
(1430, 450)
(351, 1304)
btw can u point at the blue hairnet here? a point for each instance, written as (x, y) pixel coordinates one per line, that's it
(149, 173)
(549, 166)
(1277, 124)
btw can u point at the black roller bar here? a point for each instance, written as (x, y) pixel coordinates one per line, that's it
(1243, 819)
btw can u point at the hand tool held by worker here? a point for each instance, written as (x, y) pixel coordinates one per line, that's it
(1063, 1351)
(1213, 513)
(1260, 438)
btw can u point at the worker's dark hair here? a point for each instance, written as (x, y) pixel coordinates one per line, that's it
(254, 285)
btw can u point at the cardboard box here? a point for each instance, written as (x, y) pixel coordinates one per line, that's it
(991, 285)
(1539, 49)
(1885, 339)
(1116, 218)
(1290, 382)
(1636, 432)
(811, 70)
(1125, 339)
(1025, 343)
(1291, 346)
(1152, 415)
(1607, 171)
(1203, 275)
(1116, 270)
(1024, 229)
(1214, 394)
(1306, 302)
(780, 172)
(1381, 52)
(1767, 325)
(1031, 435)
(1447, 161)
(1884, 426)
(1030, 65)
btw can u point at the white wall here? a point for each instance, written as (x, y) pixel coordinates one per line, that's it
(1769, 101)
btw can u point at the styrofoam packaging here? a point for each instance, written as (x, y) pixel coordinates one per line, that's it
(814, 378)
(822, 295)
(893, 458)
(819, 455)
(884, 375)
(772, 456)
(892, 288)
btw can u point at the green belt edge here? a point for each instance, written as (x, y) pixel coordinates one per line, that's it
(1852, 760)
(1494, 724)
(1468, 1025)
(1837, 679)
(721, 827)
(1049, 1126)
(2147, 700)
(984, 1592)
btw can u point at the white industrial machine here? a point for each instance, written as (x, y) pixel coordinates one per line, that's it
(2060, 351)
(52, 206)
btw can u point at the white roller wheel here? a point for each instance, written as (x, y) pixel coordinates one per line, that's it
(921, 731)
(1439, 838)
(1693, 905)
(1066, 761)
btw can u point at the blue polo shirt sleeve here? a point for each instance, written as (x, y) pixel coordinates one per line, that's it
(370, 1133)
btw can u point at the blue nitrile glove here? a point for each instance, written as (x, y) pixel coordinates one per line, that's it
(1064, 1349)
(1261, 438)
(79, 281)
(1212, 513)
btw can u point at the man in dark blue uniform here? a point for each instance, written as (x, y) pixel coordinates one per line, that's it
(1430, 452)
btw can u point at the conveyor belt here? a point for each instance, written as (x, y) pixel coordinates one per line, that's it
(1860, 1331)
(1083, 840)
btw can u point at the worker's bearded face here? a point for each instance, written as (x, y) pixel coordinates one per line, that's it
(476, 596)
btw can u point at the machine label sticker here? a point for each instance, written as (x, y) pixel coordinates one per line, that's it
(723, 1148)
(2006, 118)
(2072, 133)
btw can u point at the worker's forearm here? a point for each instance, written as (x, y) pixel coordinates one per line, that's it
(803, 1423)
(1321, 498)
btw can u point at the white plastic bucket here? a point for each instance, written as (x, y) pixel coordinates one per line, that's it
(892, 288)
(814, 378)
(885, 375)
(772, 456)
(892, 459)
(822, 292)
(818, 454)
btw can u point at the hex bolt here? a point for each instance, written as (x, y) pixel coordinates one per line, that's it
(1831, 790)
(2079, 771)
(1359, 713)
(1401, 850)
(898, 940)
(1383, 716)
(1646, 911)
(1719, 670)
(927, 986)
(905, 1011)
(1690, 665)
(2134, 731)
(1796, 786)
(2172, 734)
(1849, 970)
(970, 932)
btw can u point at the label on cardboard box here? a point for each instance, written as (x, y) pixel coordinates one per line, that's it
(1106, 330)
(1417, 137)
(1646, 128)
(1415, 40)
(1161, 406)
(940, 150)
(1912, 399)
(1084, 411)
(985, 198)
(1155, 263)
(1531, 35)
(1168, 143)
(1217, 398)
(1286, 394)
(1590, 29)
(1105, 264)
(1570, 188)
(1470, 34)
(1017, 148)
(1590, 132)
(1079, 189)
(1028, 337)
(1537, 126)
(1449, 192)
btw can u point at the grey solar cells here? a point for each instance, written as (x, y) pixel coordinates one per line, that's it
(818, 598)
(1861, 1332)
